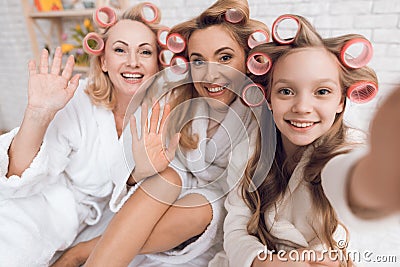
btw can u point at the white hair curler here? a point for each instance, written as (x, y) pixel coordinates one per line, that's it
(179, 65)
(233, 15)
(356, 53)
(150, 13)
(165, 57)
(109, 13)
(162, 36)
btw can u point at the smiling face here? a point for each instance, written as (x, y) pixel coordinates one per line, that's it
(305, 96)
(217, 63)
(130, 56)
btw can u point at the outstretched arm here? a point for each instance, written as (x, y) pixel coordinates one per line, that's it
(374, 187)
(48, 92)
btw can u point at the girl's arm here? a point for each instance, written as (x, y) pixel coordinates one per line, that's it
(47, 94)
(76, 255)
(374, 186)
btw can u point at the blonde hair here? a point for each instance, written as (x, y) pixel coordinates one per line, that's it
(100, 88)
(240, 32)
(325, 148)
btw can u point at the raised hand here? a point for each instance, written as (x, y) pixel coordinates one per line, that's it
(48, 92)
(150, 153)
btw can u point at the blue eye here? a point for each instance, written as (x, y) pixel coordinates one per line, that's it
(119, 50)
(198, 62)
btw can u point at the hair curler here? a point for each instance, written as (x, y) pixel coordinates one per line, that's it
(150, 13)
(362, 92)
(165, 57)
(257, 37)
(176, 43)
(259, 63)
(111, 17)
(286, 33)
(179, 65)
(233, 15)
(356, 53)
(261, 92)
(162, 36)
(98, 48)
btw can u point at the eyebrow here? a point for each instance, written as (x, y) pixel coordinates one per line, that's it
(317, 81)
(125, 43)
(216, 52)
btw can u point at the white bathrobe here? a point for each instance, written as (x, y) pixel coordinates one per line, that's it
(294, 222)
(67, 185)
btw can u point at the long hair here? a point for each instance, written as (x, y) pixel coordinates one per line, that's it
(100, 88)
(240, 32)
(331, 144)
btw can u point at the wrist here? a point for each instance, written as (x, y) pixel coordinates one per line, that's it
(39, 116)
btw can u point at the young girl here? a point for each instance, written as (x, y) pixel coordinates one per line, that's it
(213, 120)
(289, 211)
(57, 169)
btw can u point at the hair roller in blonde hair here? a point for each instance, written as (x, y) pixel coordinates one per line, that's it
(162, 35)
(176, 43)
(285, 29)
(95, 41)
(149, 13)
(356, 53)
(109, 14)
(179, 65)
(362, 92)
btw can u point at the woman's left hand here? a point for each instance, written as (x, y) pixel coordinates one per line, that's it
(151, 155)
(77, 255)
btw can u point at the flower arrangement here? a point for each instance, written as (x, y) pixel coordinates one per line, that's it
(78, 33)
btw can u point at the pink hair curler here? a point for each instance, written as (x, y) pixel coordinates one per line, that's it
(356, 53)
(176, 43)
(111, 17)
(99, 46)
(288, 31)
(259, 89)
(362, 92)
(258, 37)
(162, 36)
(259, 63)
(179, 65)
(233, 15)
(165, 57)
(150, 13)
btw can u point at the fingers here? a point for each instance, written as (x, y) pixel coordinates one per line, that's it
(143, 119)
(73, 84)
(32, 67)
(167, 110)
(173, 145)
(56, 65)
(155, 114)
(69, 67)
(44, 62)
(133, 126)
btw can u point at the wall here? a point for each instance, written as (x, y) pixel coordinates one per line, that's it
(378, 20)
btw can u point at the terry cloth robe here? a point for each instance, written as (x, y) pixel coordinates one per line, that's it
(203, 171)
(293, 219)
(66, 186)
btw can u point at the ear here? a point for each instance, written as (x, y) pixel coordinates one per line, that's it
(340, 107)
(103, 64)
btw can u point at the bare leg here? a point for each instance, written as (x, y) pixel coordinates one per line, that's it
(133, 224)
(188, 217)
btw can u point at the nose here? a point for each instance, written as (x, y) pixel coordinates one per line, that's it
(132, 59)
(302, 104)
(213, 71)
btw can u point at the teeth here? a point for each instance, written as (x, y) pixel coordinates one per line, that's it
(301, 124)
(215, 89)
(132, 76)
